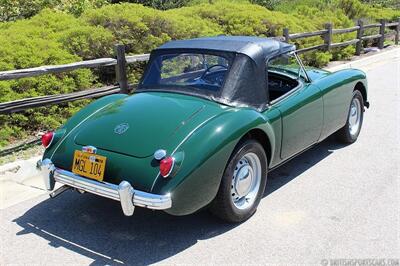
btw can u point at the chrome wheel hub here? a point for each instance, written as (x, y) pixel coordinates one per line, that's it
(355, 116)
(246, 181)
(243, 180)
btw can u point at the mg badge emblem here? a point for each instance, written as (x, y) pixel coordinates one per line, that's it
(121, 128)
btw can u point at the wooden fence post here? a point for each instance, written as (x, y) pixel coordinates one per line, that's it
(396, 39)
(382, 33)
(120, 68)
(328, 36)
(360, 33)
(286, 34)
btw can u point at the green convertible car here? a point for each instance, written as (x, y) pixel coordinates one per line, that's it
(209, 119)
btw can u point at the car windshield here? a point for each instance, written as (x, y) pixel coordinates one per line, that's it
(286, 63)
(186, 71)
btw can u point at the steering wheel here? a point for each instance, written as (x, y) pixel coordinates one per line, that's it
(208, 70)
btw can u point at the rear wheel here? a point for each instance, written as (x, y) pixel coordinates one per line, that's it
(349, 133)
(243, 183)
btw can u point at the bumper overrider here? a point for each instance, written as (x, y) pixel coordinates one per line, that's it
(124, 192)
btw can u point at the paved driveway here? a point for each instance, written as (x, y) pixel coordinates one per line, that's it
(332, 202)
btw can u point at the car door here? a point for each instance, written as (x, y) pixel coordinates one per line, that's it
(302, 119)
(302, 115)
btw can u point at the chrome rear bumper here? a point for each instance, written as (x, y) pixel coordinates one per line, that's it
(124, 192)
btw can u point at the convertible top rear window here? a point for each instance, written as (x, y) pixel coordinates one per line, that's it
(187, 72)
(230, 78)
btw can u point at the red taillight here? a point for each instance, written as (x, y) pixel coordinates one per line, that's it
(166, 166)
(47, 139)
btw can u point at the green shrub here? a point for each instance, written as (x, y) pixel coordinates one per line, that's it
(158, 4)
(88, 42)
(245, 19)
(146, 28)
(77, 7)
(395, 4)
(270, 4)
(375, 13)
(11, 10)
(6, 134)
(38, 42)
(352, 8)
(343, 53)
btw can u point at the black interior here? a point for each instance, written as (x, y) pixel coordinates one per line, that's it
(279, 84)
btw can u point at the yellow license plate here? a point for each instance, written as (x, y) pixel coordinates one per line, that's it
(89, 165)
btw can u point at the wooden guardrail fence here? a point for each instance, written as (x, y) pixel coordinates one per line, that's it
(121, 61)
(328, 32)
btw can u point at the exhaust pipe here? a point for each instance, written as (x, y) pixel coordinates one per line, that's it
(58, 191)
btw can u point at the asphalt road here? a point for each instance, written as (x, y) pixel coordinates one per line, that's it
(331, 202)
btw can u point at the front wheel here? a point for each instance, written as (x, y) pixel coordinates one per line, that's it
(243, 183)
(349, 133)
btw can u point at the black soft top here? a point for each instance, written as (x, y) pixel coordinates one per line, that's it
(257, 48)
(246, 82)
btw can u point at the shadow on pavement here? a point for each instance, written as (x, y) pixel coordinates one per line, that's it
(96, 228)
(301, 163)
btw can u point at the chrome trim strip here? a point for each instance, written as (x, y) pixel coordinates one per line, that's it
(191, 133)
(102, 189)
(124, 192)
(155, 179)
(181, 143)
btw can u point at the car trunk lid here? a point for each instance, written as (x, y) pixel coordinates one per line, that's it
(140, 124)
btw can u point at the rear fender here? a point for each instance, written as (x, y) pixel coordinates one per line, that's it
(205, 155)
(337, 90)
(79, 117)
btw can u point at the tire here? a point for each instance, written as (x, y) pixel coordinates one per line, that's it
(243, 183)
(349, 133)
